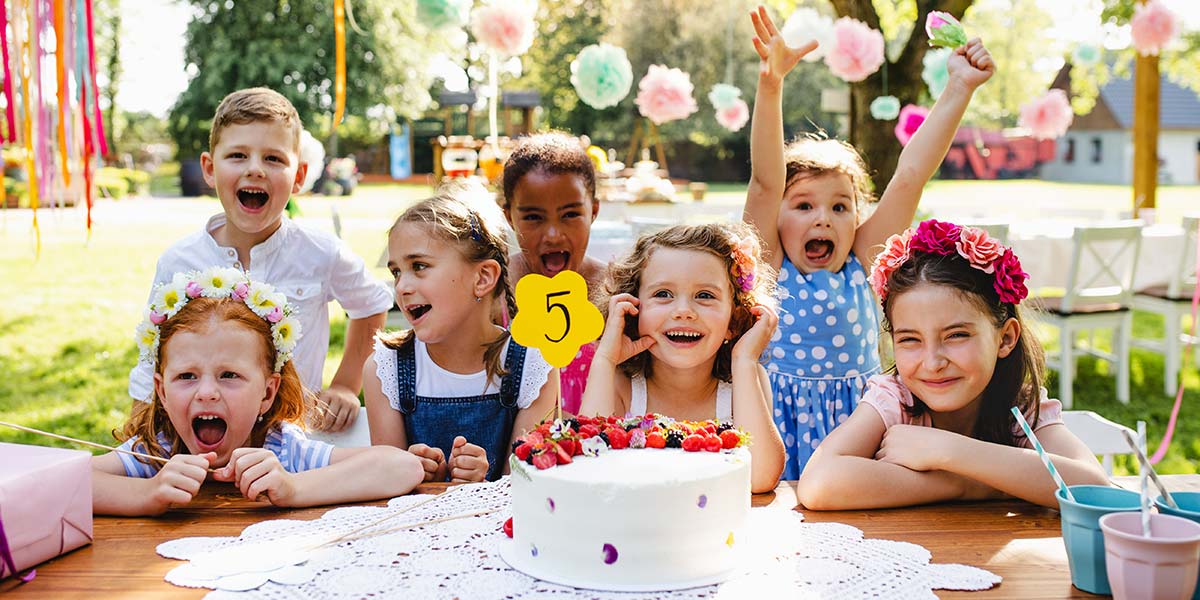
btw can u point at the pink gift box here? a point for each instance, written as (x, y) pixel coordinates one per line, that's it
(45, 503)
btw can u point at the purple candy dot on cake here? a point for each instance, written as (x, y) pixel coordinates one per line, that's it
(703, 501)
(550, 504)
(610, 554)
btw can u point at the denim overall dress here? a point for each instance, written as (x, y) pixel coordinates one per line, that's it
(485, 420)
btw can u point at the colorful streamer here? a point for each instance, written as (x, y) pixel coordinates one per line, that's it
(339, 41)
(97, 121)
(60, 68)
(1166, 441)
(10, 118)
(26, 59)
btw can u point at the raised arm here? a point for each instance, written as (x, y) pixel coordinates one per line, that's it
(767, 167)
(601, 397)
(969, 67)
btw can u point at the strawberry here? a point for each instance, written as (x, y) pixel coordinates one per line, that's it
(712, 443)
(545, 460)
(523, 450)
(693, 443)
(534, 438)
(588, 431)
(655, 439)
(730, 439)
(564, 457)
(618, 439)
(570, 446)
(508, 527)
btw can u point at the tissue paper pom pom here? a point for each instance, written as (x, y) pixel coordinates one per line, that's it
(1047, 117)
(1152, 27)
(935, 73)
(944, 30)
(885, 108)
(602, 75)
(806, 24)
(857, 50)
(911, 117)
(724, 95)
(436, 14)
(505, 28)
(734, 116)
(1085, 55)
(665, 95)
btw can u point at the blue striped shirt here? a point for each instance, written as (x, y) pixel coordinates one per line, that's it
(296, 452)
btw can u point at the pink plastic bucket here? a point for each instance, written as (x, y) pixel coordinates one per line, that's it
(1162, 566)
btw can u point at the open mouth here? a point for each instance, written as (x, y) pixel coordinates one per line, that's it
(818, 250)
(209, 431)
(416, 311)
(684, 336)
(252, 199)
(555, 262)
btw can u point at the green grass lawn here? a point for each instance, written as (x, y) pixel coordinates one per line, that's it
(67, 315)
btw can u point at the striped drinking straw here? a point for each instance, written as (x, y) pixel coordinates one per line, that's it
(1062, 485)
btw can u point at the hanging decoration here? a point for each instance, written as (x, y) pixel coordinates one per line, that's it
(601, 75)
(1048, 116)
(911, 118)
(10, 119)
(339, 43)
(1085, 55)
(442, 14)
(724, 95)
(805, 24)
(1152, 27)
(505, 28)
(665, 94)
(885, 108)
(935, 72)
(734, 116)
(856, 52)
(944, 30)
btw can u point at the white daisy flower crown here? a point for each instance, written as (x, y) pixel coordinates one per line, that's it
(219, 282)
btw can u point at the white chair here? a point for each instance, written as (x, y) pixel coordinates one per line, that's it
(1101, 436)
(1172, 300)
(357, 435)
(996, 229)
(1099, 294)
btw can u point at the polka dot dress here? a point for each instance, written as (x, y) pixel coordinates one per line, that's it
(820, 358)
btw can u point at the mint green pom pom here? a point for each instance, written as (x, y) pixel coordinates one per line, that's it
(601, 75)
(436, 14)
(885, 108)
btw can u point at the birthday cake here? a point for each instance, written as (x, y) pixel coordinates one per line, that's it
(637, 504)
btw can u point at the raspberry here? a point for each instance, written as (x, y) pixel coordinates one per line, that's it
(674, 439)
(693, 443)
(508, 527)
(589, 430)
(522, 451)
(730, 439)
(712, 443)
(545, 460)
(618, 438)
(655, 439)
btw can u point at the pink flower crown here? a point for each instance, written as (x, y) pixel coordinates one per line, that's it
(743, 262)
(981, 250)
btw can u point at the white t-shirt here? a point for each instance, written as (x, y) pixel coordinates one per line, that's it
(436, 382)
(310, 267)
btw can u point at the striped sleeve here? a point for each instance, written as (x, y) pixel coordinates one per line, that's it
(133, 466)
(296, 452)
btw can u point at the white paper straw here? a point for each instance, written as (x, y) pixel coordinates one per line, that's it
(1062, 485)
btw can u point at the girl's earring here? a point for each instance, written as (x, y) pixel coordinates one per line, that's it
(478, 298)
(260, 418)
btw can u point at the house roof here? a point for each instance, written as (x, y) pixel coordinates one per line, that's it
(1178, 107)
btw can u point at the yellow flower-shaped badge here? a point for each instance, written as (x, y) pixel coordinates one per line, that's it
(555, 316)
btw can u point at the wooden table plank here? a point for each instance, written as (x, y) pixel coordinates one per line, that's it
(1018, 541)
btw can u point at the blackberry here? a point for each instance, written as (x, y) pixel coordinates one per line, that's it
(529, 459)
(516, 444)
(724, 427)
(632, 426)
(674, 439)
(604, 436)
(573, 424)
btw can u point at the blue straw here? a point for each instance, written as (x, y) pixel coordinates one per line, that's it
(1062, 485)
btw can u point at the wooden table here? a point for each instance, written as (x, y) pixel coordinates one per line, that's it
(1018, 541)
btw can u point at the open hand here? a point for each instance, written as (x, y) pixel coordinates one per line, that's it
(778, 59)
(468, 462)
(755, 340)
(257, 471)
(179, 480)
(432, 460)
(340, 408)
(971, 64)
(615, 346)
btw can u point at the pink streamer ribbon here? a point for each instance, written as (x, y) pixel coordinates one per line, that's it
(98, 121)
(6, 558)
(9, 115)
(1166, 441)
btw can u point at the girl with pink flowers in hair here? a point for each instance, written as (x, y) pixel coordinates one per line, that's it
(690, 311)
(940, 426)
(808, 200)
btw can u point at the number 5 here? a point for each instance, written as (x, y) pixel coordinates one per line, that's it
(566, 315)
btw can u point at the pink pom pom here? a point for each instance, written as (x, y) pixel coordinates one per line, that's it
(504, 27)
(1152, 27)
(910, 120)
(665, 95)
(193, 289)
(857, 50)
(734, 117)
(241, 291)
(276, 315)
(157, 318)
(1047, 117)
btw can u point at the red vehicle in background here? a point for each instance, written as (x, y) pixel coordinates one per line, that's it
(982, 154)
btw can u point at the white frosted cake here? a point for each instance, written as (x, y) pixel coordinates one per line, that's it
(631, 519)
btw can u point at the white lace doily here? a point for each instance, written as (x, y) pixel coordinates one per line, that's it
(460, 558)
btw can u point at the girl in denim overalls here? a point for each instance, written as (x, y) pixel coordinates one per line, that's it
(455, 389)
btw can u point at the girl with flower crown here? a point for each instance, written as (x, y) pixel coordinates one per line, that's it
(690, 310)
(228, 403)
(940, 427)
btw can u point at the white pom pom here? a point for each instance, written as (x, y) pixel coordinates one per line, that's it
(807, 24)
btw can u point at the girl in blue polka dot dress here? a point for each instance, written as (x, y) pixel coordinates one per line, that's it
(807, 200)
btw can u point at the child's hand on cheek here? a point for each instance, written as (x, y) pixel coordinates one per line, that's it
(615, 346)
(432, 460)
(468, 462)
(917, 448)
(257, 471)
(179, 480)
(754, 342)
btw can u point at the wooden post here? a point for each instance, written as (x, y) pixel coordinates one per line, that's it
(1145, 132)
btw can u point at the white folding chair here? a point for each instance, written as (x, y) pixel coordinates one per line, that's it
(996, 229)
(1101, 436)
(357, 435)
(1172, 300)
(1099, 295)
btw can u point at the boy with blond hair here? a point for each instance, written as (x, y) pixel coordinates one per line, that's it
(253, 164)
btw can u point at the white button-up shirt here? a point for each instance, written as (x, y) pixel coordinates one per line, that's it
(310, 267)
